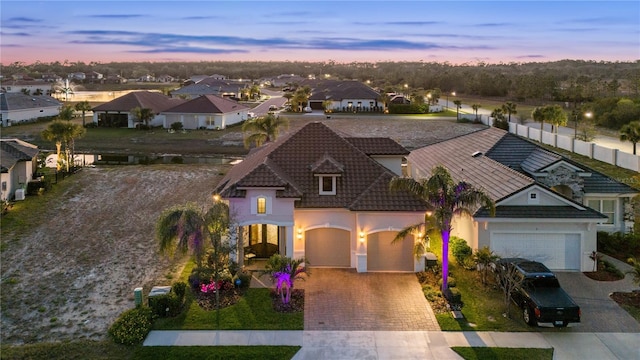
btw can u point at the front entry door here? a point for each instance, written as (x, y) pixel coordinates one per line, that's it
(263, 239)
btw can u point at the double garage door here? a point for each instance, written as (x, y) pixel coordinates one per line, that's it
(332, 248)
(556, 251)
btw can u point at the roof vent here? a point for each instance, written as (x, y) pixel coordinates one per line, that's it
(476, 154)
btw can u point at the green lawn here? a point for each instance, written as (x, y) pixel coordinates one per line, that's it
(486, 353)
(253, 312)
(107, 350)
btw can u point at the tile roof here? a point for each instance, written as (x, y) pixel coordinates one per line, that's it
(20, 101)
(363, 186)
(339, 90)
(542, 212)
(13, 151)
(378, 146)
(457, 155)
(155, 101)
(207, 104)
(525, 156)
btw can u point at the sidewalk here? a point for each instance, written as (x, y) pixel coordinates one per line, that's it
(380, 345)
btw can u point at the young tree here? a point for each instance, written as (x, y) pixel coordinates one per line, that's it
(143, 115)
(66, 112)
(631, 132)
(499, 119)
(483, 259)
(83, 107)
(263, 129)
(447, 199)
(285, 271)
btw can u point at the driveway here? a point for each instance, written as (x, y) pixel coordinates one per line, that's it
(342, 299)
(599, 312)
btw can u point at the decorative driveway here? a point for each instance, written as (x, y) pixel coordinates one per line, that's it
(599, 312)
(342, 299)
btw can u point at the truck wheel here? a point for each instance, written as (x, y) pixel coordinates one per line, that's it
(528, 317)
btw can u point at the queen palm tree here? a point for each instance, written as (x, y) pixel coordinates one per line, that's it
(475, 108)
(143, 115)
(447, 199)
(263, 129)
(458, 105)
(181, 228)
(62, 132)
(83, 107)
(631, 132)
(509, 108)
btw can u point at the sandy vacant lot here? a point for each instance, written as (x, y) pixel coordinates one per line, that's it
(73, 272)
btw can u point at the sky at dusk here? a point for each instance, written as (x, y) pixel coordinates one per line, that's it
(345, 31)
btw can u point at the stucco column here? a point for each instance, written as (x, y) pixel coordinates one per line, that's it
(289, 241)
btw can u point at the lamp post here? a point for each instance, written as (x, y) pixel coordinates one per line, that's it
(446, 106)
(577, 114)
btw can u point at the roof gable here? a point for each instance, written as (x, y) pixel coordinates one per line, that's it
(207, 104)
(155, 101)
(13, 151)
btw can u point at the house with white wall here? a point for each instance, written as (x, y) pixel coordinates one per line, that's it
(117, 112)
(206, 112)
(548, 208)
(316, 194)
(19, 107)
(18, 163)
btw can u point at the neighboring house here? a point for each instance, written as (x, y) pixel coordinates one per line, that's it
(284, 80)
(18, 163)
(543, 201)
(117, 113)
(77, 76)
(165, 78)
(94, 76)
(211, 86)
(399, 99)
(147, 78)
(18, 107)
(316, 194)
(344, 96)
(30, 87)
(206, 111)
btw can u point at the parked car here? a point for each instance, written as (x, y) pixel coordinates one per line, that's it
(536, 290)
(273, 108)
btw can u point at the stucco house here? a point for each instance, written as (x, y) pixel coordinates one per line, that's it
(117, 112)
(18, 107)
(317, 194)
(345, 96)
(206, 111)
(211, 86)
(18, 163)
(548, 208)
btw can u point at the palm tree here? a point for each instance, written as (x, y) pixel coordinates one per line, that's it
(179, 229)
(62, 132)
(499, 120)
(66, 112)
(509, 108)
(143, 115)
(554, 114)
(66, 87)
(84, 107)
(263, 129)
(538, 116)
(285, 271)
(458, 105)
(631, 132)
(475, 108)
(447, 199)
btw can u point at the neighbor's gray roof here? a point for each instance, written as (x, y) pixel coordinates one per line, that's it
(13, 151)
(20, 101)
(542, 212)
(339, 90)
(155, 101)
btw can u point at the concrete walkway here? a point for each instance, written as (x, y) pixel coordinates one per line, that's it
(379, 345)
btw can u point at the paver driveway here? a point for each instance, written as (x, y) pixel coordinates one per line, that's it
(342, 299)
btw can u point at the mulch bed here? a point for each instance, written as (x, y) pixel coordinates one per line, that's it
(207, 301)
(602, 274)
(295, 305)
(627, 298)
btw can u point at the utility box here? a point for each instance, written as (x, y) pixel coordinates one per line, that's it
(137, 296)
(158, 290)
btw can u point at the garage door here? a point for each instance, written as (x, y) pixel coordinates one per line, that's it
(382, 255)
(556, 251)
(328, 247)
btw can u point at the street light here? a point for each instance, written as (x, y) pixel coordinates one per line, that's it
(577, 113)
(446, 105)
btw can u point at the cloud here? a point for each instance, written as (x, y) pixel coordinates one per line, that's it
(531, 56)
(115, 16)
(4, 33)
(24, 19)
(189, 49)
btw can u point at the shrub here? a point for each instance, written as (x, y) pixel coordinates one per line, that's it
(165, 305)
(179, 289)
(431, 293)
(619, 243)
(200, 276)
(244, 277)
(454, 296)
(177, 126)
(132, 326)
(460, 250)
(451, 282)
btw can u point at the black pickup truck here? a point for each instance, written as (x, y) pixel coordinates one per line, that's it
(536, 290)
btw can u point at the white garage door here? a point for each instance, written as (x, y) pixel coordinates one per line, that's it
(382, 255)
(556, 251)
(328, 247)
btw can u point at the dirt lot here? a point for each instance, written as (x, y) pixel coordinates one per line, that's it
(73, 272)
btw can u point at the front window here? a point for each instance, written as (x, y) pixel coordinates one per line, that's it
(327, 185)
(606, 207)
(262, 205)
